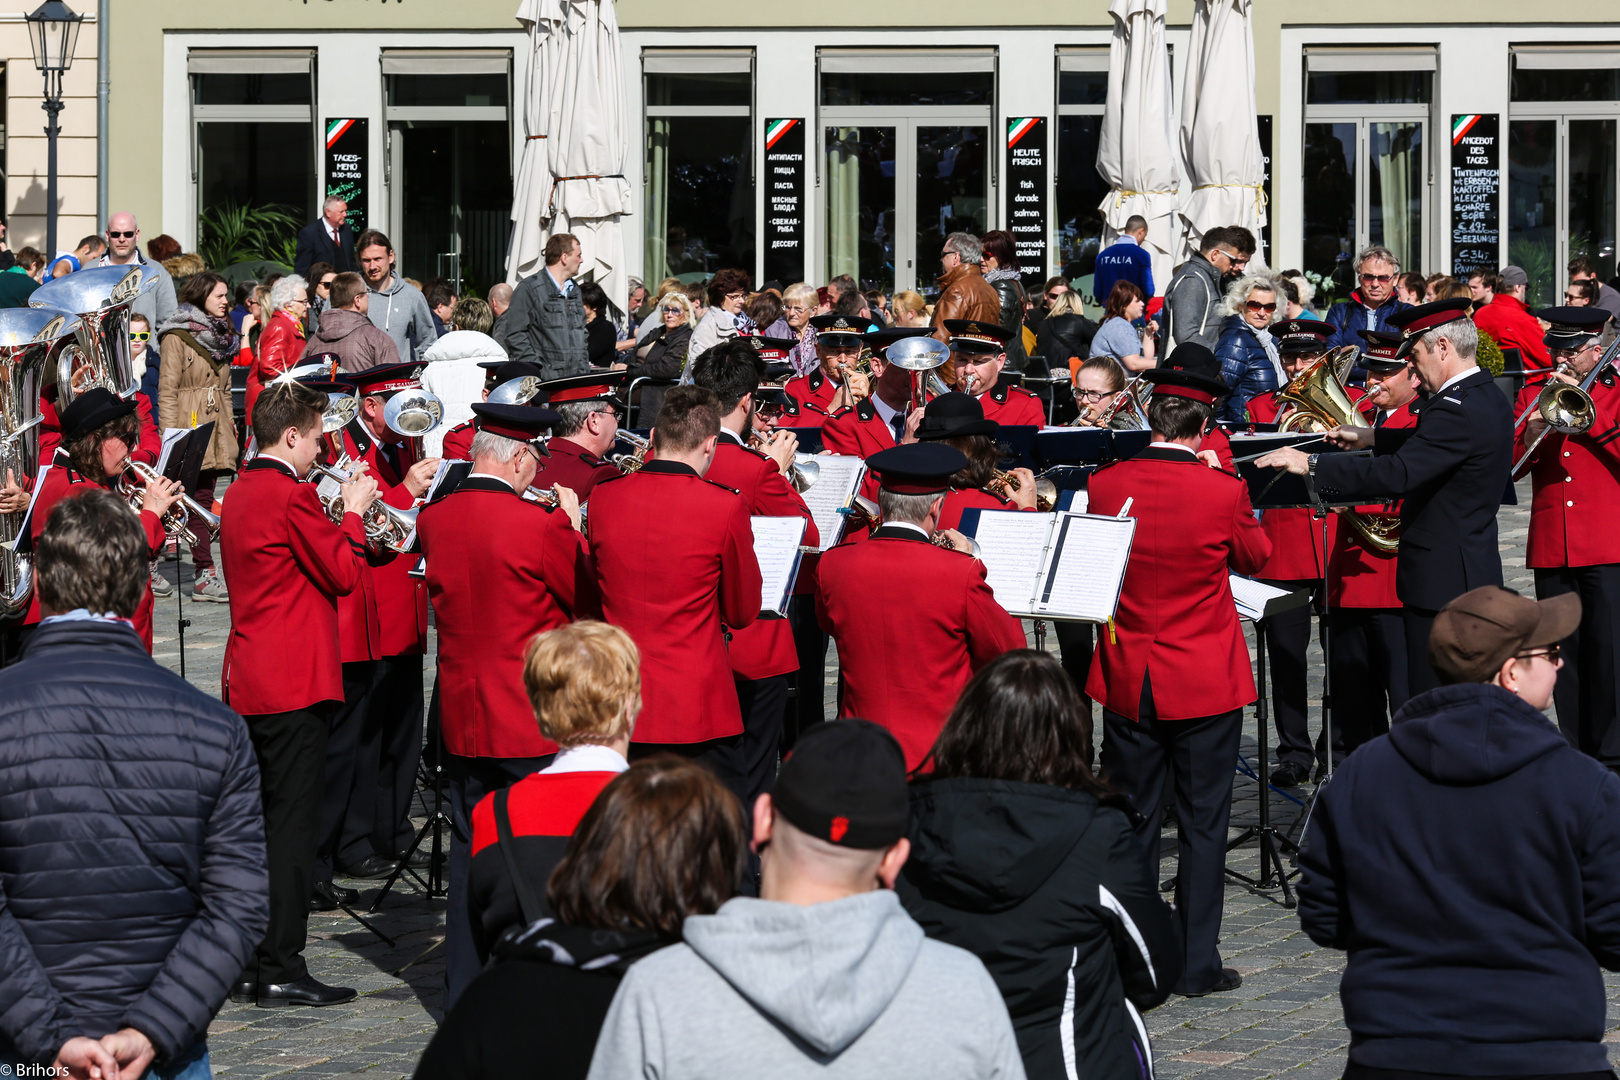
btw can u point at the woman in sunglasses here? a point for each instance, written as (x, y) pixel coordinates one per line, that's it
(1248, 355)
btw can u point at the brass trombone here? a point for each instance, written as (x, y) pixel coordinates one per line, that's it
(1566, 409)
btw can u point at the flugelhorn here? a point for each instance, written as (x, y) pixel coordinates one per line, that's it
(1004, 483)
(387, 527)
(629, 463)
(182, 519)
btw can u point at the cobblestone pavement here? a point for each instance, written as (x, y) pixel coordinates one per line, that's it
(1283, 1022)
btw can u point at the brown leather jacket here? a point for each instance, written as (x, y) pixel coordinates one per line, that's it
(964, 294)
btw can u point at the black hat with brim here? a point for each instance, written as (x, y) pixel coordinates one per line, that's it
(920, 468)
(524, 423)
(92, 409)
(954, 414)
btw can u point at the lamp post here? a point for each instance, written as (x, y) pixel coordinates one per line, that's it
(53, 30)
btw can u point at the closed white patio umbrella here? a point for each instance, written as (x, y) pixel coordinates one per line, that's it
(571, 176)
(1136, 153)
(1220, 134)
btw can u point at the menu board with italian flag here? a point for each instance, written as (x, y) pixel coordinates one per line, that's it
(346, 147)
(784, 201)
(1026, 195)
(1476, 193)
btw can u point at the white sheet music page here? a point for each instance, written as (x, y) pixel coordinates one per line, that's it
(840, 476)
(776, 546)
(170, 437)
(1087, 567)
(1013, 543)
(1251, 597)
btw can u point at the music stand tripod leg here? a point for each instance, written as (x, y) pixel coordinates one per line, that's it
(434, 883)
(1270, 840)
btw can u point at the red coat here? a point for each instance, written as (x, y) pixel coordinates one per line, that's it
(906, 655)
(281, 346)
(402, 600)
(62, 482)
(812, 396)
(458, 442)
(1360, 577)
(950, 515)
(287, 565)
(499, 570)
(1576, 478)
(50, 432)
(574, 467)
(766, 648)
(674, 559)
(1013, 406)
(1295, 533)
(859, 431)
(1513, 326)
(1176, 621)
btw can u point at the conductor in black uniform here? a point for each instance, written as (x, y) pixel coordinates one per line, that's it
(1451, 470)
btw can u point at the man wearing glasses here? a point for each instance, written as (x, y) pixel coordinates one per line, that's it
(1192, 303)
(589, 407)
(1372, 302)
(1607, 298)
(1573, 545)
(1508, 319)
(124, 248)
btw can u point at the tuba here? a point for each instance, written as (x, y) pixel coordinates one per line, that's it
(28, 336)
(1321, 404)
(98, 354)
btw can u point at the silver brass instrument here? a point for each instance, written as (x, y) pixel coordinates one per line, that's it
(413, 413)
(98, 355)
(920, 356)
(387, 527)
(518, 391)
(938, 540)
(803, 471)
(186, 518)
(1566, 409)
(629, 463)
(1128, 410)
(27, 338)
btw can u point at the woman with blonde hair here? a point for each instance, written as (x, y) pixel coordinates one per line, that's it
(1250, 365)
(909, 309)
(584, 683)
(282, 342)
(799, 304)
(662, 354)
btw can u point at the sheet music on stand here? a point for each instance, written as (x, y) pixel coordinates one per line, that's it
(452, 471)
(1256, 600)
(835, 487)
(171, 438)
(1060, 566)
(777, 543)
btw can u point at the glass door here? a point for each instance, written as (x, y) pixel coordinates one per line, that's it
(1365, 183)
(861, 206)
(952, 190)
(1562, 191)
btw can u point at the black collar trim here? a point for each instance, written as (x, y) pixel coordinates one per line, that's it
(668, 467)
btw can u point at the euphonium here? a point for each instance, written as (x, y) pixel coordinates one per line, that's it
(629, 463)
(27, 340)
(99, 354)
(186, 517)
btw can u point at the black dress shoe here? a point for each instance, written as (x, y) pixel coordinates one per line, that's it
(244, 991)
(372, 866)
(1289, 774)
(1229, 980)
(326, 896)
(419, 860)
(305, 991)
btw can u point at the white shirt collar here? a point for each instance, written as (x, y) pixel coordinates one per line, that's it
(586, 757)
(492, 476)
(283, 462)
(1457, 378)
(918, 529)
(736, 437)
(886, 413)
(1173, 446)
(1126, 238)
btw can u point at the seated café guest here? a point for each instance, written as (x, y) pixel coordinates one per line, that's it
(663, 841)
(1022, 857)
(957, 421)
(1250, 365)
(1469, 864)
(1118, 337)
(584, 683)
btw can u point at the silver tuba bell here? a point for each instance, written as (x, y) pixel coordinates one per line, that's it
(413, 413)
(920, 356)
(28, 337)
(98, 355)
(518, 391)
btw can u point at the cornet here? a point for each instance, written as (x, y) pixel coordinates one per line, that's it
(629, 463)
(182, 519)
(1045, 491)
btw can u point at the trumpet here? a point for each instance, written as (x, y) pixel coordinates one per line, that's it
(182, 519)
(387, 527)
(629, 463)
(1046, 493)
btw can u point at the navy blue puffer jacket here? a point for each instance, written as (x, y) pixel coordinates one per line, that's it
(132, 864)
(1246, 367)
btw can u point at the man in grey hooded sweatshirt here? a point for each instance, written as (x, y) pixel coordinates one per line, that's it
(825, 975)
(396, 306)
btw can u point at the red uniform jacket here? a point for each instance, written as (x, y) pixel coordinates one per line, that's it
(950, 515)
(458, 442)
(499, 570)
(766, 648)
(402, 600)
(1360, 577)
(574, 467)
(1013, 406)
(1176, 622)
(674, 559)
(812, 396)
(905, 656)
(281, 345)
(1295, 533)
(50, 433)
(859, 431)
(63, 482)
(287, 565)
(1576, 506)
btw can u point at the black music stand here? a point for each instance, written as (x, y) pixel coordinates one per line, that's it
(439, 855)
(1272, 840)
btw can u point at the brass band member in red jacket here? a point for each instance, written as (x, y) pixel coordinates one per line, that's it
(289, 564)
(457, 442)
(978, 354)
(589, 408)
(1172, 671)
(957, 420)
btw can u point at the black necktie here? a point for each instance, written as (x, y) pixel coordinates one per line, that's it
(391, 455)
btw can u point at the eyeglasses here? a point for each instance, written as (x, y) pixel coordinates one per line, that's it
(1551, 652)
(1379, 279)
(140, 335)
(1255, 305)
(673, 311)
(1572, 296)
(1055, 295)
(795, 307)
(120, 235)
(1570, 354)
(1094, 395)
(607, 412)
(736, 296)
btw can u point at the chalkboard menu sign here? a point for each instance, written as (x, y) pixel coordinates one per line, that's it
(1476, 193)
(346, 146)
(1263, 126)
(784, 201)
(1026, 195)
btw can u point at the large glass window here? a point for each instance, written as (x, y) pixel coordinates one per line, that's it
(1078, 188)
(1366, 161)
(253, 151)
(699, 171)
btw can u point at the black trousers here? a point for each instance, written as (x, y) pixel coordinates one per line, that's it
(379, 817)
(1368, 674)
(764, 706)
(342, 753)
(1076, 643)
(1416, 624)
(723, 757)
(809, 704)
(291, 748)
(1586, 691)
(468, 780)
(1288, 635)
(1198, 759)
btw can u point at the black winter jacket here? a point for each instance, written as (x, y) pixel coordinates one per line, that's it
(132, 864)
(1469, 861)
(1053, 892)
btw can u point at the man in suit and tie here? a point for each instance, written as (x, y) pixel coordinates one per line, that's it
(1451, 469)
(328, 240)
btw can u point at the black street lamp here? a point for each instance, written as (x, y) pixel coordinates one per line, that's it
(53, 30)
